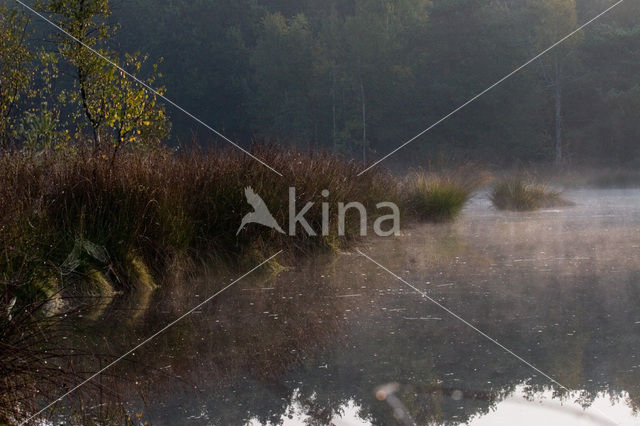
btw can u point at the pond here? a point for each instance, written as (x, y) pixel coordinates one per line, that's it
(541, 326)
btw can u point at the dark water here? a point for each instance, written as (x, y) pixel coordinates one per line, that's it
(340, 340)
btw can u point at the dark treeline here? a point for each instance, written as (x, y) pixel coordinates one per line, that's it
(332, 74)
(356, 77)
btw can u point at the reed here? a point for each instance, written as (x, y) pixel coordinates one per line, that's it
(441, 196)
(519, 194)
(76, 220)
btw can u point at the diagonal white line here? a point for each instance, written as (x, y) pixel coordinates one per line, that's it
(476, 329)
(146, 86)
(494, 85)
(148, 339)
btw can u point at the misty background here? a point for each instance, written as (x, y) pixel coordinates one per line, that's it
(360, 77)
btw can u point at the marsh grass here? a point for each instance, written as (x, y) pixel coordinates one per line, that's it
(41, 357)
(71, 218)
(521, 194)
(31, 361)
(441, 196)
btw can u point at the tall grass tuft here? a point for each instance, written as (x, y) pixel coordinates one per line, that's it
(440, 197)
(34, 363)
(518, 194)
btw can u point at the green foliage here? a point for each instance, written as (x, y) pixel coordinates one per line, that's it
(15, 72)
(132, 112)
(39, 130)
(118, 110)
(38, 101)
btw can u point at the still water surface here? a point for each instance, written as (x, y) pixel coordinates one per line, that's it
(339, 340)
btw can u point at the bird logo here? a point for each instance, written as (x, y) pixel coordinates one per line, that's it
(260, 213)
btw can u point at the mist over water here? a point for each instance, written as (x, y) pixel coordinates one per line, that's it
(314, 344)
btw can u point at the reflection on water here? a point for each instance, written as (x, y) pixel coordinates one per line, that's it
(519, 409)
(340, 340)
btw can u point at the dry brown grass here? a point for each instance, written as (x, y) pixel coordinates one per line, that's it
(68, 214)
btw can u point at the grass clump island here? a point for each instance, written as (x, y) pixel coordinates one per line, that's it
(440, 196)
(520, 194)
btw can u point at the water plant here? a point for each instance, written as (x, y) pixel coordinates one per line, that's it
(441, 196)
(520, 194)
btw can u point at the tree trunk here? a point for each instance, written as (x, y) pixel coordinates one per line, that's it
(364, 125)
(558, 114)
(333, 107)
